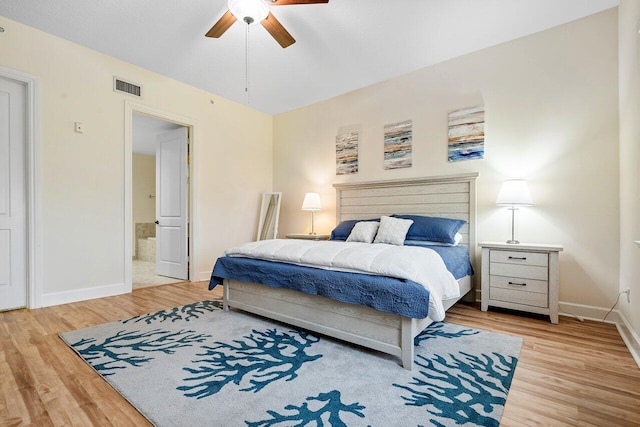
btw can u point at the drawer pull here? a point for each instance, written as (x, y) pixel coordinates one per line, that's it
(517, 284)
(517, 257)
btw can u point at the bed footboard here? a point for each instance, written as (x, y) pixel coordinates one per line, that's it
(386, 332)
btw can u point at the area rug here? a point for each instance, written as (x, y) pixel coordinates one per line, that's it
(198, 365)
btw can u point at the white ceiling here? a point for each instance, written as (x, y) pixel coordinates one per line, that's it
(341, 46)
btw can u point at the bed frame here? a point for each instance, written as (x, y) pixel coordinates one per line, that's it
(451, 196)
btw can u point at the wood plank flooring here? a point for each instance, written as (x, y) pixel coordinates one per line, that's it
(568, 374)
(573, 373)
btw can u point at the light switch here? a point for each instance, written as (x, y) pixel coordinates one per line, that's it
(78, 127)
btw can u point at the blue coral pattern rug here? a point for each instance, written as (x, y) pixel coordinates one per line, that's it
(197, 365)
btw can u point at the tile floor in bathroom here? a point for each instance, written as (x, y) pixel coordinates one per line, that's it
(144, 274)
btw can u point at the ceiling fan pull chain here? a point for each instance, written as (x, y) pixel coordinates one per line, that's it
(246, 65)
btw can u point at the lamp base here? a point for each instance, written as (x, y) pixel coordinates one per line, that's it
(513, 242)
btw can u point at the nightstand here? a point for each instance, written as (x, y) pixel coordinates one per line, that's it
(308, 236)
(521, 277)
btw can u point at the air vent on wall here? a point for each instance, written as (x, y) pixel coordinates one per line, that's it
(129, 88)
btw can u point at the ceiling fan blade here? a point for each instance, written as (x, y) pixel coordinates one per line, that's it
(288, 2)
(222, 25)
(277, 31)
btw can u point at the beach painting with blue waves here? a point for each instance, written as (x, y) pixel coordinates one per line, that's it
(398, 145)
(347, 153)
(466, 134)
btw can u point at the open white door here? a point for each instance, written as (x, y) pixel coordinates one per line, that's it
(172, 204)
(13, 201)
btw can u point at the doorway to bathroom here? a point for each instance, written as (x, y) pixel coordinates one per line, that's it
(159, 194)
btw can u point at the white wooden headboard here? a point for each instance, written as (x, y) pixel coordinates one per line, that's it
(450, 196)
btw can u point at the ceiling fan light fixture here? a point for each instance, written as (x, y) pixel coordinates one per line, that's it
(249, 11)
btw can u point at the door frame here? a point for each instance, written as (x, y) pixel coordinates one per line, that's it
(32, 175)
(130, 109)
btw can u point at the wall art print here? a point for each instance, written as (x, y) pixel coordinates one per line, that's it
(466, 134)
(398, 145)
(347, 153)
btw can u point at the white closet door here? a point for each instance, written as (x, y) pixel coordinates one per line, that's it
(13, 204)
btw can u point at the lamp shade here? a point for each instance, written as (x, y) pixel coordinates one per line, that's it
(311, 202)
(514, 192)
(257, 10)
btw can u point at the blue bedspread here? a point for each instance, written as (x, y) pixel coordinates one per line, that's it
(391, 295)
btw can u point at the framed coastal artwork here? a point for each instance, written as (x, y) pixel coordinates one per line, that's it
(398, 145)
(347, 153)
(466, 134)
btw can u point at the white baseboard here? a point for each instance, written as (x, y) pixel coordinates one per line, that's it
(204, 276)
(630, 338)
(66, 297)
(588, 312)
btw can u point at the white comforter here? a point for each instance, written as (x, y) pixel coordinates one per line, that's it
(421, 265)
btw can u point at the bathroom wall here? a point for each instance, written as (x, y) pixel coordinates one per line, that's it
(144, 185)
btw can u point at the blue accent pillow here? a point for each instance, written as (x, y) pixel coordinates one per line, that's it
(433, 229)
(342, 230)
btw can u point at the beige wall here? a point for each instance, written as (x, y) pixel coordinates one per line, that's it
(143, 185)
(629, 13)
(552, 118)
(82, 175)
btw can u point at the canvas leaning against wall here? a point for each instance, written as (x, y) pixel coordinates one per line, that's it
(466, 134)
(398, 145)
(347, 153)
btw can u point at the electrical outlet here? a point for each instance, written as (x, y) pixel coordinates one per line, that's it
(628, 292)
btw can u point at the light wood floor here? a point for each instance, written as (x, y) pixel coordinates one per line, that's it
(568, 374)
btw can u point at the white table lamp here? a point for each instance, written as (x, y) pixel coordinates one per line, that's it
(514, 193)
(311, 203)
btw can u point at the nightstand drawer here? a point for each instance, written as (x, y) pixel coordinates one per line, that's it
(520, 258)
(520, 284)
(525, 271)
(519, 297)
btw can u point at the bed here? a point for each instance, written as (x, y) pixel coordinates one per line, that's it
(451, 196)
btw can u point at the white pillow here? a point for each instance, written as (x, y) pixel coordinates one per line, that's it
(456, 241)
(363, 231)
(392, 230)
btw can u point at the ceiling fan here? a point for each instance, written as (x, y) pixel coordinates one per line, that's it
(251, 11)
